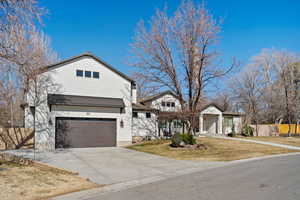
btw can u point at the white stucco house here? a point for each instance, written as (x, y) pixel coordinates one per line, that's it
(85, 102)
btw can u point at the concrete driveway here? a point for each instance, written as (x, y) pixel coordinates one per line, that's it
(112, 165)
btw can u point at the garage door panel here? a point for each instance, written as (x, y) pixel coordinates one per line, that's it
(81, 133)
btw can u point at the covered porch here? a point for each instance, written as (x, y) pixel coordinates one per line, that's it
(210, 120)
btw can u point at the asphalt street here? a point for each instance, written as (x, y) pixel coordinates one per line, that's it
(273, 178)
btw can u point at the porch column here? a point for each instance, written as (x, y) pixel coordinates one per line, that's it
(220, 124)
(201, 123)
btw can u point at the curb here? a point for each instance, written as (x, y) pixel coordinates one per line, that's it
(94, 193)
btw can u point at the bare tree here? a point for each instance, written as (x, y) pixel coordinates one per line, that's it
(224, 100)
(267, 87)
(284, 66)
(24, 50)
(178, 53)
(247, 88)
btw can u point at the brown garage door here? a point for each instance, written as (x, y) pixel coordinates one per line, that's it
(85, 132)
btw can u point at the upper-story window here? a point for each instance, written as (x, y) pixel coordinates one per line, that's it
(88, 74)
(95, 74)
(167, 104)
(148, 115)
(79, 73)
(135, 114)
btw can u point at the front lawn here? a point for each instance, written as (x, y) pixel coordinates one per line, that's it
(217, 150)
(293, 141)
(20, 182)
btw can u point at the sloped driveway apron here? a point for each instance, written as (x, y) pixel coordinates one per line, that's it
(116, 165)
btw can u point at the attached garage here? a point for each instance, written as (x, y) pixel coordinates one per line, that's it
(85, 132)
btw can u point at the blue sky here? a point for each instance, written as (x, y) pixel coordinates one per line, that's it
(106, 28)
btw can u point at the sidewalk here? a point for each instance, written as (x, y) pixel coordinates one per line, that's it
(259, 142)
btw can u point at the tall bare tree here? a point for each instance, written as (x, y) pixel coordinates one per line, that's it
(267, 87)
(24, 50)
(23, 47)
(177, 52)
(248, 91)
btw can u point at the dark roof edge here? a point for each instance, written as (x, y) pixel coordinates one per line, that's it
(71, 95)
(85, 101)
(139, 107)
(233, 113)
(50, 67)
(153, 97)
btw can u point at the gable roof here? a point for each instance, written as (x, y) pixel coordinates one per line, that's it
(211, 104)
(156, 96)
(87, 54)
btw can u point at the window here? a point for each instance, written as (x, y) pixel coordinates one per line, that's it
(173, 104)
(163, 124)
(135, 114)
(148, 115)
(79, 73)
(168, 104)
(228, 121)
(88, 74)
(163, 104)
(95, 74)
(177, 124)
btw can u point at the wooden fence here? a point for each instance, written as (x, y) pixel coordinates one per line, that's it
(16, 138)
(276, 129)
(284, 129)
(265, 130)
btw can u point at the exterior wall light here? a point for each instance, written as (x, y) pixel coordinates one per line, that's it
(122, 123)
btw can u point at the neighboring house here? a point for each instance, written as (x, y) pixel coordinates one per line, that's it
(215, 121)
(212, 119)
(91, 105)
(166, 103)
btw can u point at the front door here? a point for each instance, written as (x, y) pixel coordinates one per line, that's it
(210, 124)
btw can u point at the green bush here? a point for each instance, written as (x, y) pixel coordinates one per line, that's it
(178, 139)
(188, 138)
(247, 131)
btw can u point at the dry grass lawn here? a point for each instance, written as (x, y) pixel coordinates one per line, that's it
(293, 141)
(19, 182)
(217, 150)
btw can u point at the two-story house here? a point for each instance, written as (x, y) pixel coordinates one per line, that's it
(166, 103)
(87, 104)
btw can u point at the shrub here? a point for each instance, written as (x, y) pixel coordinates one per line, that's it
(247, 131)
(178, 140)
(188, 139)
